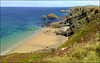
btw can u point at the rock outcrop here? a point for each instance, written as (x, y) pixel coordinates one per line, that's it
(76, 18)
(44, 17)
(45, 50)
(65, 11)
(62, 11)
(51, 16)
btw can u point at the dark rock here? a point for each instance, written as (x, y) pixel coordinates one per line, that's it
(70, 14)
(75, 19)
(52, 49)
(47, 49)
(91, 10)
(96, 11)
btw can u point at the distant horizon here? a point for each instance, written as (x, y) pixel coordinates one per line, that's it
(48, 3)
(72, 6)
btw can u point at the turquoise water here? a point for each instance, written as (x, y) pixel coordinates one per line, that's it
(12, 40)
(19, 23)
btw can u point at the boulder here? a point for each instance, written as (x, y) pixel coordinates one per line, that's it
(51, 16)
(62, 11)
(44, 17)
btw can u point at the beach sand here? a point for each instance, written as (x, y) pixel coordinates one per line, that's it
(46, 38)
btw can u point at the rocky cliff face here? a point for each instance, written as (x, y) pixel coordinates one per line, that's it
(76, 18)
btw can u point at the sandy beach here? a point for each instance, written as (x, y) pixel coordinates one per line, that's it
(46, 38)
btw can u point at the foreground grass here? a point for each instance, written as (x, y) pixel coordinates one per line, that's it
(84, 45)
(25, 57)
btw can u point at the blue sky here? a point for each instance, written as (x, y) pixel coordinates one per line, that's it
(47, 3)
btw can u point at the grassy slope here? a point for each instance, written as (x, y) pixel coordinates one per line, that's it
(25, 57)
(83, 47)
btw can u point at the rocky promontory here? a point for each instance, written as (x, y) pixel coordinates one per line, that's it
(76, 18)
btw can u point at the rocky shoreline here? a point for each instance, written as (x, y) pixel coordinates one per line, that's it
(73, 21)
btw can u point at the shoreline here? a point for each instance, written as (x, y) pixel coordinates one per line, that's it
(20, 42)
(42, 39)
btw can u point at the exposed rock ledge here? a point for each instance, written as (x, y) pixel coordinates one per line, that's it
(77, 17)
(47, 49)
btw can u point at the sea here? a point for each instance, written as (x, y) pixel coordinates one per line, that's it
(19, 23)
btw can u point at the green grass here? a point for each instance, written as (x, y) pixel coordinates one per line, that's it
(25, 57)
(85, 31)
(84, 45)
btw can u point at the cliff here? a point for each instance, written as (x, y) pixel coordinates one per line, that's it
(76, 18)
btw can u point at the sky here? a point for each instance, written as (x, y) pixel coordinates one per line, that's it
(49, 0)
(23, 3)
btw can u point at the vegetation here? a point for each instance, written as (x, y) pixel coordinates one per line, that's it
(25, 57)
(82, 45)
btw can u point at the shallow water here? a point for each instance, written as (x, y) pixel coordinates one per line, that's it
(19, 23)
